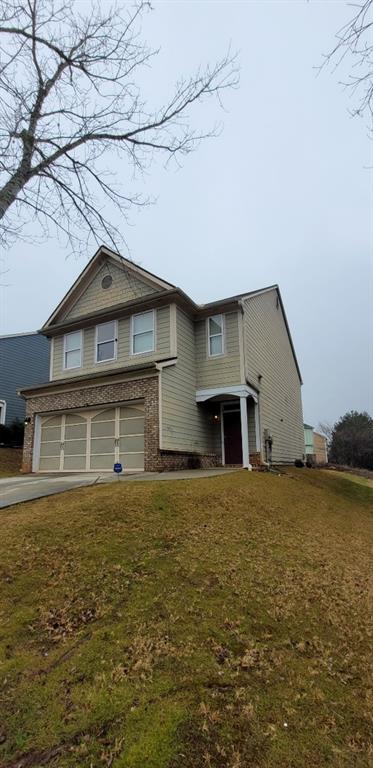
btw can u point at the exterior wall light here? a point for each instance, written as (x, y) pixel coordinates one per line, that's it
(27, 421)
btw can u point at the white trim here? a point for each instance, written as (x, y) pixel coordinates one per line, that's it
(62, 443)
(173, 330)
(211, 335)
(257, 428)
(240, 390)
(244, 433)
(88, 443)
(241, 346)
(259, 291)
(36, 444)
(222, 434)
(166, 364)
(51, 358)
(114, 339)
(2, 411)
(160, 413)
(146, 351)
(72, 367)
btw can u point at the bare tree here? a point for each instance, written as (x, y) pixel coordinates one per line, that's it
(355, 40)
(326, 429)
(70, 100)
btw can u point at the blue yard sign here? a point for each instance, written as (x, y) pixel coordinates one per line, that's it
(118, 468)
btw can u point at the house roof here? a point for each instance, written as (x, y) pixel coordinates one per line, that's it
(88, 377)
(17, 335)
(307, 426)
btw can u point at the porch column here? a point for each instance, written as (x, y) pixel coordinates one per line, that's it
(257, 428)
(244, 433)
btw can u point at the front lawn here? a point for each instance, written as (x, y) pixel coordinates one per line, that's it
(211, 623)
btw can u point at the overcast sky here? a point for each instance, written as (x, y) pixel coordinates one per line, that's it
(283, 195)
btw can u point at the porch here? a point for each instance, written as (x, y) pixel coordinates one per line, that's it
(234, 411)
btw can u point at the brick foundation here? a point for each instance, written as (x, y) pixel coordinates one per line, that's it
(145, 389)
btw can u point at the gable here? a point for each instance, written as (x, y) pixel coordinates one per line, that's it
(128, 282)
(125, 286)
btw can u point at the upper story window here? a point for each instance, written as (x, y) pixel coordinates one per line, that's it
(106, 341)
(142, 333)
(215, 325)
(72, 355)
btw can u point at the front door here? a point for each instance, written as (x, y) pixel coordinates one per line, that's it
(232, 437)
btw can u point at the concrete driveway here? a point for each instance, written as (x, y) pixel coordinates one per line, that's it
(14, 490)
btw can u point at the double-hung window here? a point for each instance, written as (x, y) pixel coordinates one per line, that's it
(72, 353)
(215, 330)
(106, 341)
(143, 333)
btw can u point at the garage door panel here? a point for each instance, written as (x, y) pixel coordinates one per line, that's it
(132, 460)
(127, 411)
(103, 429)
(75, 418)
(130, 444)
(75, 431)
(108, 415)
(49, 464)
(131, 426)
(50, 449)
(102, 462)
(74, 463)
(50, 433)
(102, 445)
(75, 447)
(52, 421)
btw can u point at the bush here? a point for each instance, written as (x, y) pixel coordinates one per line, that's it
(12, 436)
(299, 463)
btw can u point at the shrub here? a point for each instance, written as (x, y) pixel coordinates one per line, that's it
(299, 463)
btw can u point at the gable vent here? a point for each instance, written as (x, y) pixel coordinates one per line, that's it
(106, 281)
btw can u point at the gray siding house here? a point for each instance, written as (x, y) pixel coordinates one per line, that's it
(142, 375)
(24, 361)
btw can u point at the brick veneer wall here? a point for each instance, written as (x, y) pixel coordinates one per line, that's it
(145, 389)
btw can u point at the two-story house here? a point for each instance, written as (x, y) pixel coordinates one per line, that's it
(142, 375)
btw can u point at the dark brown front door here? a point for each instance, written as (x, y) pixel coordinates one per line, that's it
(232, 437)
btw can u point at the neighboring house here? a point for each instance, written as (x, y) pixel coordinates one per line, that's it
(24, 361)
(308, 442)
(321, 448)
(142, 375)
(316, 446)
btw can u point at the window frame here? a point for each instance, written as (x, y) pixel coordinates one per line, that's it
(132, 334)
(213, 335)
(2, 412)
(114, 339)
(65, 351)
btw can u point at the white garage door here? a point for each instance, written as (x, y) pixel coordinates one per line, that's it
(93, 440)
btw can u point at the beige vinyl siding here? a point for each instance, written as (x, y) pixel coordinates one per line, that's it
(162, 350)
(125, 287)
(251, 426)
(223, 369)
(268, 354)
(186, 426)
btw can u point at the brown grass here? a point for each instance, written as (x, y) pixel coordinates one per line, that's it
(211, 623)
(10, 461)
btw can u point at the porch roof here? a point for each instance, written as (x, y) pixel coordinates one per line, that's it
(238, 390)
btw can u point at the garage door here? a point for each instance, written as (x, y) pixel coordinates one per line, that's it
(93, 440)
